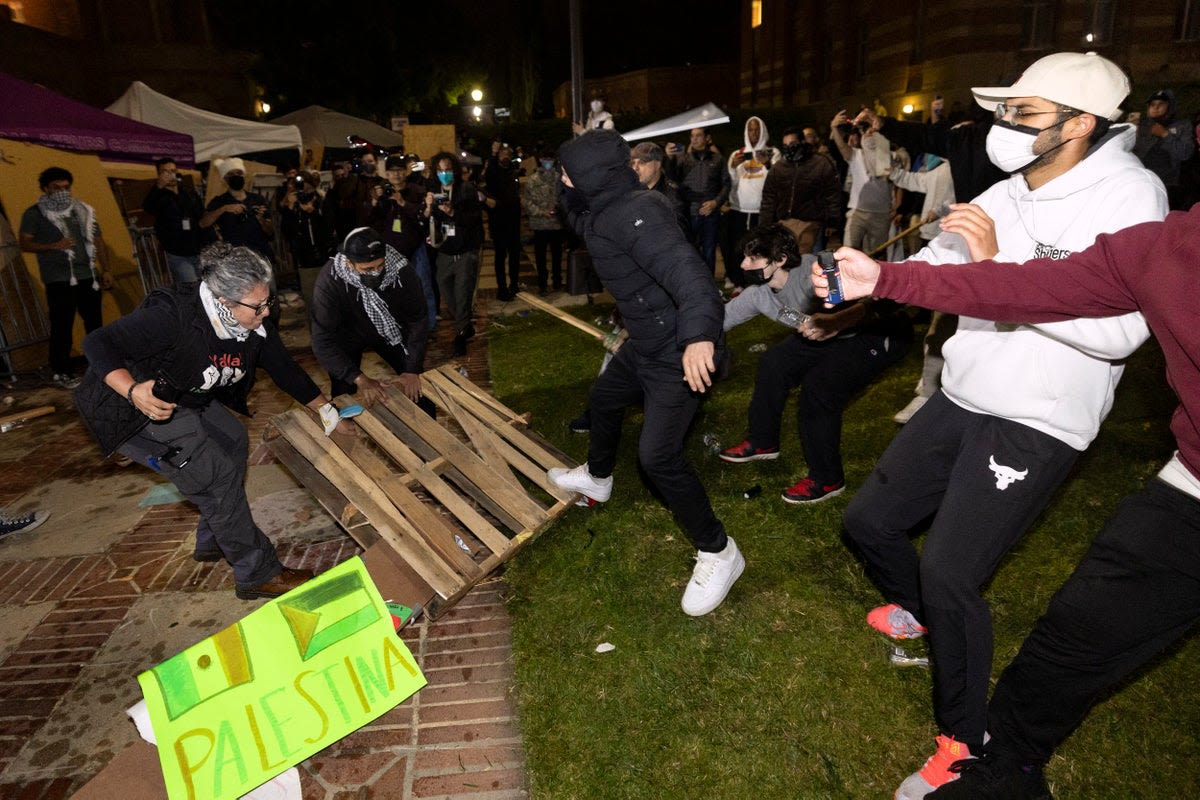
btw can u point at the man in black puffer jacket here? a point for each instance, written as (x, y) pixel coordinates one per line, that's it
(673, 314)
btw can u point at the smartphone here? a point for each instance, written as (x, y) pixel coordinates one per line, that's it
(165, 389)
(791, 317)
(829, 269)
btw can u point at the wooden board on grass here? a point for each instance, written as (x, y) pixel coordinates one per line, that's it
(450, 499)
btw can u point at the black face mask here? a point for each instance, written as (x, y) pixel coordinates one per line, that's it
(797, 152)
(236, 182)
(371, 280)
(754, 277)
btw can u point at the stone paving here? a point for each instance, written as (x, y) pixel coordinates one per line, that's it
(107, 588)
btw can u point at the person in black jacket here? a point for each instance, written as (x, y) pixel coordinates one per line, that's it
(673, 314)
(156, 390)
(369, 296)
(504, 219)
(457, 232)
(177, 210)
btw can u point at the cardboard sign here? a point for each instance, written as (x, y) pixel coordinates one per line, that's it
(283, 683)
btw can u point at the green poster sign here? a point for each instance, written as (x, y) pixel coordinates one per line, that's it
(283, 683)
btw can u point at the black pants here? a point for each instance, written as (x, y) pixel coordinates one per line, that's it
(956, 464)
(829, 373)
(553, 240)
(62, 303)
(1136, 591)
(214, 445)
(669, 407)
(506, 236)
(738, 223)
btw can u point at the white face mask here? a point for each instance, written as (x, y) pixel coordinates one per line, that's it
(1010, 147)
(597, 106)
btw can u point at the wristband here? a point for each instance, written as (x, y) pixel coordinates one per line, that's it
(129, 394)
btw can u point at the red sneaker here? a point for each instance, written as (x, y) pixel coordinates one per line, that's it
(808, 491)
(747, 452)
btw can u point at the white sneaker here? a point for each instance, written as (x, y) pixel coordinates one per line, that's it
(914, 405)
(713, 577)
(582, 481)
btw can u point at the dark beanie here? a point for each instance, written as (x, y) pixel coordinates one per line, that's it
(363, 245)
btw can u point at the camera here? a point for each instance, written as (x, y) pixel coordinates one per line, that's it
(440, 198)
(387, 190)
(304, 198)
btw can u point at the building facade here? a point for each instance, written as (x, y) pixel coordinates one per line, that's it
(797, 53)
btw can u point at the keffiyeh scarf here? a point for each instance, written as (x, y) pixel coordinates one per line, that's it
(223, 322)
(58, 208)
(374, 306)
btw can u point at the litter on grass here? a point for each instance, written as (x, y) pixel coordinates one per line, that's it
(605, 647)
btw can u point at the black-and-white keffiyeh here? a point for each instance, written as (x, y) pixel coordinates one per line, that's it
(223, 322)
(58, 207)
(376, 309)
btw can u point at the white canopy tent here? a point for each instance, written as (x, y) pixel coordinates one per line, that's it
(214, 134)
(322, 128)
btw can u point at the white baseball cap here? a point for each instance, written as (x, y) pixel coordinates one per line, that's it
(1084, 81)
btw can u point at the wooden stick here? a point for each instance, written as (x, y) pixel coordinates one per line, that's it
(895, 239)
(591, 330)
(570, 319)
(26, 415)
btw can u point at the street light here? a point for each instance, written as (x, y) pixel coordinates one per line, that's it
(477, 95)
(477, 112)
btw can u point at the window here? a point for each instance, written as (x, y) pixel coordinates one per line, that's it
(1098, 24)
(755, 13)
(1188, 27)
(1037, 24)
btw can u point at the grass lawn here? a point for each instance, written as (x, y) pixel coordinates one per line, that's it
(783, 692)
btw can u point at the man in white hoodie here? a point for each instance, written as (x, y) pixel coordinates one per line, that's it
(1018, 402)
(748, 167)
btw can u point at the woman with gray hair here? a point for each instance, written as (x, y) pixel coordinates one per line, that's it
(157, 389)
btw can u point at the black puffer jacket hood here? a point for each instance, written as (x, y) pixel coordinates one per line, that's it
(597, 163)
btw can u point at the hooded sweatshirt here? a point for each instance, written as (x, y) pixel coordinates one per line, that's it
(1150, 267)
(748, 175)
(663, 288)
(1055, 377)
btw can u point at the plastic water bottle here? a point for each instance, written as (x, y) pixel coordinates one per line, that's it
(758, 347)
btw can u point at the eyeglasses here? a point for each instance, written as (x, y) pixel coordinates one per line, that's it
(265, 305)
(1003, 110)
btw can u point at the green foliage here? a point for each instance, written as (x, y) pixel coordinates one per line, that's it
(783, 691)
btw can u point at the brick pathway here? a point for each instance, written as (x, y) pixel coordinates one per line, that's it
(457, 738)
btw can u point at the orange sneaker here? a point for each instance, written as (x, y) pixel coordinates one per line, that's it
(892, 620)
(936, 771)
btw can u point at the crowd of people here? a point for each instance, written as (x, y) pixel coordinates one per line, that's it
(1043, 168)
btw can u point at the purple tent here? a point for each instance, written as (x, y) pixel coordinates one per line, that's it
(33, 114)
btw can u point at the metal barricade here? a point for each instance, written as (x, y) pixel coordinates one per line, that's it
(150, 258)
(23, 318)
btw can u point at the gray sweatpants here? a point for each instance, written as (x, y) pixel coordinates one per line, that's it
(209, 468)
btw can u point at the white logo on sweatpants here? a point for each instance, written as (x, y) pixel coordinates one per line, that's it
(1005, 475)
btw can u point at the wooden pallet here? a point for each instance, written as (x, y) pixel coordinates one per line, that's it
(444, 501)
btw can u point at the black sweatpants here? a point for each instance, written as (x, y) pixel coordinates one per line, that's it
(1135, 592)
(829, 374)
(986, 479)
(669, 405)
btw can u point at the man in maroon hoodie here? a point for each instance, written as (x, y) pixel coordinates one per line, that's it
(1138, 588)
